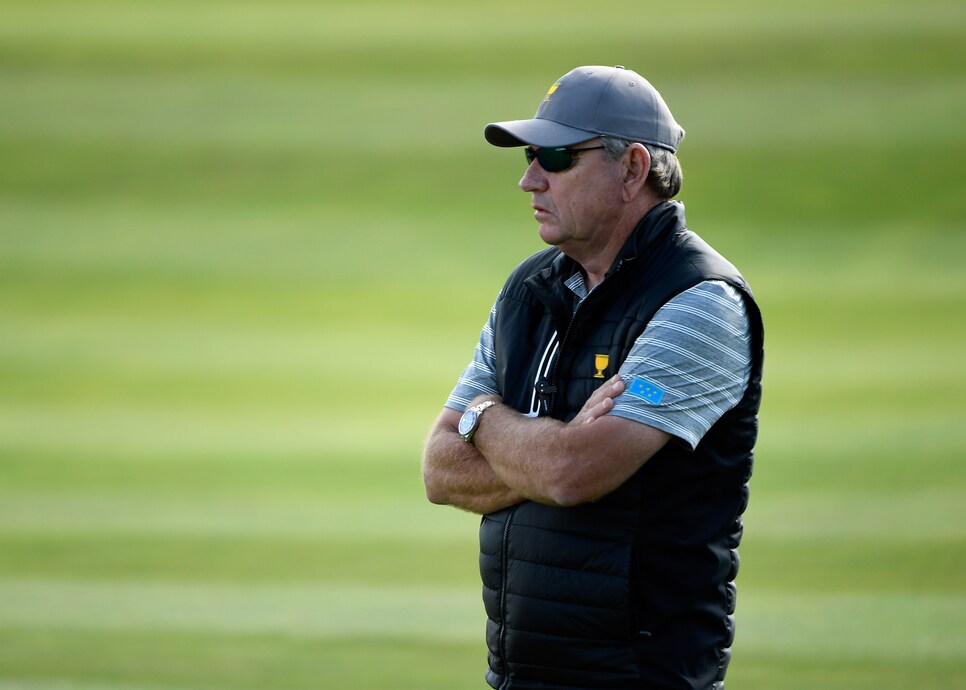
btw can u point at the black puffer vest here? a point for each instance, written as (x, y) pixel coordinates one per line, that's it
(634, 590)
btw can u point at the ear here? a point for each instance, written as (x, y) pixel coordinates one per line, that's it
(637, 165)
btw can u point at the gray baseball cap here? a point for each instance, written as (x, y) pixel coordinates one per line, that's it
(590, 101)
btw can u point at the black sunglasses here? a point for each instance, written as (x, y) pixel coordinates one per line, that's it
(555, 159)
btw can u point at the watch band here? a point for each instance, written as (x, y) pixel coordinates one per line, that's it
(485, 405)
(472, 417)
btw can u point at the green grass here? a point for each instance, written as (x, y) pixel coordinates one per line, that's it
(215, 217)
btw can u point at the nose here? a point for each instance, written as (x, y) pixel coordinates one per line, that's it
(534, 179)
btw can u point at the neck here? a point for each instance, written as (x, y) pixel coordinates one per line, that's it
(597, 264)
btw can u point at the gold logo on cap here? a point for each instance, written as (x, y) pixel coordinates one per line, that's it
(550, 92)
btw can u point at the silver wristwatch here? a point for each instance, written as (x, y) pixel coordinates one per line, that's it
(470, 420)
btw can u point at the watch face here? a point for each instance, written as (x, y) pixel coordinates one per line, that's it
(467, 421)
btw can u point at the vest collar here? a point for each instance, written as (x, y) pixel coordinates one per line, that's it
(656, 225)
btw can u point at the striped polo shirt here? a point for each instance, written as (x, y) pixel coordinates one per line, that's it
(691, 364)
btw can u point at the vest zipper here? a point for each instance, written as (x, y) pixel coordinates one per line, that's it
(552, 388)
(560, 346)
(503, 585)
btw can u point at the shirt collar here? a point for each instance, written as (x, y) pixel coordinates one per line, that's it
(577, 285)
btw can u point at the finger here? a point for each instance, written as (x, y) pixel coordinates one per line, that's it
(613, 388)
(610, 388)
(599, 410)
(603, 395)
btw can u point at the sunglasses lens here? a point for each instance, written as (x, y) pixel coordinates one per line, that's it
(551, 160)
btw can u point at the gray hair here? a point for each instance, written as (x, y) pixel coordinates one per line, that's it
(665, 176)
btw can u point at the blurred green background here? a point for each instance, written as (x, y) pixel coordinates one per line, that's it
(246, 248)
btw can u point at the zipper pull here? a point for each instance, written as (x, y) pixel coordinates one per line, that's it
(545, 392)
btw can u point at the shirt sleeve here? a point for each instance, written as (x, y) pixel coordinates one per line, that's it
(479, 377)
(690, 365)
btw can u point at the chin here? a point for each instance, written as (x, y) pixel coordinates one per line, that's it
(549, 235)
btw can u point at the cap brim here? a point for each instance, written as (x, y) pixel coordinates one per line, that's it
(535, 132)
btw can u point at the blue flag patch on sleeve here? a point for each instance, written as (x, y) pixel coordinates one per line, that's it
(645, 390)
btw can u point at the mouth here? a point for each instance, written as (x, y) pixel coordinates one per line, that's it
(539, 212)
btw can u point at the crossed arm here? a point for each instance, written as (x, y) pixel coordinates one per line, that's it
(515, 458)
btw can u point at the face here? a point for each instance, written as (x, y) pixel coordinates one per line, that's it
(576, 208)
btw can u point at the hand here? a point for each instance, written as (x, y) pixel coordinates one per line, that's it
(600, 402)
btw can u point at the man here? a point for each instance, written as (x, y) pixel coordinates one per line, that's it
(605, 426)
